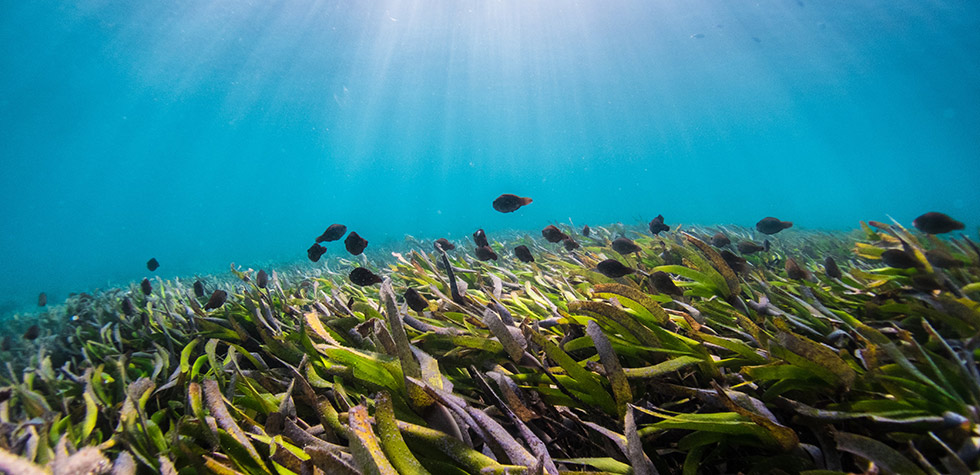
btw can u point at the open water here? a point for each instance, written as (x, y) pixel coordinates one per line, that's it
(208, 132)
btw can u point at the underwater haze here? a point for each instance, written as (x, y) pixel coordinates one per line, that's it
(202, 133)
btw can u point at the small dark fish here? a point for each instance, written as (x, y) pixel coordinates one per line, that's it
(42, 299)
(625, 246)
(523, 253)
(613, 269)
(749, 247)
(5, 392)
(262, 279)
(936, 223)
(766, 245)
(943, 259)
(720, 240)
(794, 271)
(737, 263)
(830, 267)
(570, 244)
(415, 300)
(199, 288)
(218, 298)
(926, 283)
(127, 307)
(508, 203)
(32, 333)
(664, 284)
(362, 277)
(899, 259)
(770, 225)
(657, 225)
(551, 233)
(152, 264)
(355, 244)
(5, 344)
(484, 253)
(315, 251)
(756, 39)
(333, 233)
(444, 244)
(146, 287)
(480, 238)
(586, 230)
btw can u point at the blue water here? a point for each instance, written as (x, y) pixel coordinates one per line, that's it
(208, 132)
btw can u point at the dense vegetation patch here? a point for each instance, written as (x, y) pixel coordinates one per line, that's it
(704, 359)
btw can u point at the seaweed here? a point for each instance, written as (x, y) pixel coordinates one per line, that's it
(543, 366)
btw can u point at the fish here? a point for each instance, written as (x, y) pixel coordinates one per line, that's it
(943, 259)
(199, 288)
(5, 393)
(613, 269)
(484, 253)
(794, 271)
(523, 254)
(926, 283)
(262, 279)
(146, 287)
(315, 251)
(551, 233)
(152, 264)
(657, 225)
(720, 240)
(42, 299)
(355, 244)
(586, 230)
(415, 300)
(936, 223)
(766, 245)
(32, 333)
(508, 203)
(831, 269)
(362, 277)
(480, 238)
(624, 245)
(218, 298)
(770, 225)
(664, 284)
(899, 259)
(5, 344)
(570, 244)
(444, 244)
(333, 233)
(697, 36)
(127, 307)
(749, 247)
(736, 262)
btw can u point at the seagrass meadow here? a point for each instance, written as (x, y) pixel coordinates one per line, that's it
(779, 361)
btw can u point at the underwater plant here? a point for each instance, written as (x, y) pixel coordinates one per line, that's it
(698, 360)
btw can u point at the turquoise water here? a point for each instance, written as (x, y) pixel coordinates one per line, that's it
(208, 132)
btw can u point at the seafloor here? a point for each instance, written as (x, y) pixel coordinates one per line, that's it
(820, 353)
